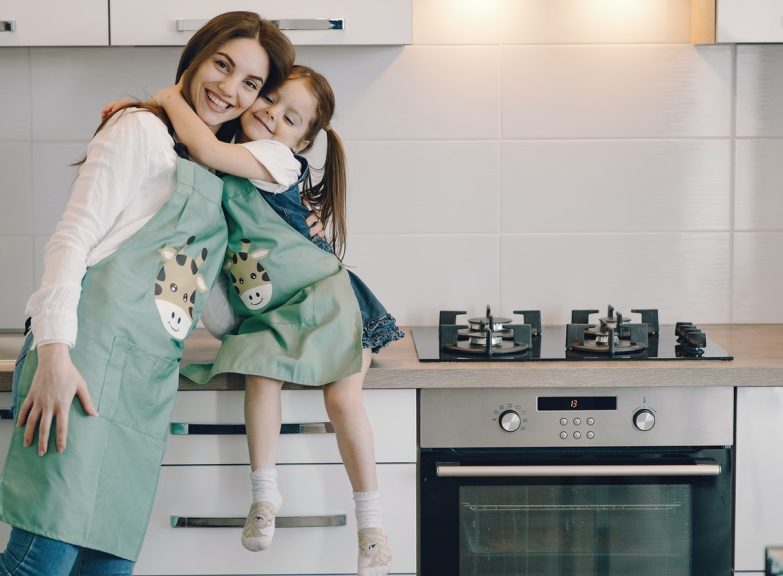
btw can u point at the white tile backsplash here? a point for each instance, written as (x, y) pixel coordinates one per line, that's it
(416, 92)
(16, 198)
(556, 273)
(520, 153)
(417, 276)
(760, 90)
(71, 85)
(619, 91)
(15, 120)
(423, 187)
(16, 282)
(758, 196)
(758, 277)
(616, 185)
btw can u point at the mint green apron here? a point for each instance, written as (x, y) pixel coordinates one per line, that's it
(300, 321)
(136, 308)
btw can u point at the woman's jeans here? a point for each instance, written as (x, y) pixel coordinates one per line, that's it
(28, 554)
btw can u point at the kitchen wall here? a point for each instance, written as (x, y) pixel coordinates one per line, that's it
(549, 154)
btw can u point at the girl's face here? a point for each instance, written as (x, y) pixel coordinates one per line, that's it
(226, 83)
(284, 115)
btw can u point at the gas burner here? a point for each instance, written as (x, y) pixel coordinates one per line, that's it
(690, 340)
(489, 335)
(613, 336)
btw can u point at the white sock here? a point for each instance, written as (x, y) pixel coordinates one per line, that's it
(368, 509)
(264, 485)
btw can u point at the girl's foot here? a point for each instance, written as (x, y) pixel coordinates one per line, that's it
(374, 554)
(259, 527)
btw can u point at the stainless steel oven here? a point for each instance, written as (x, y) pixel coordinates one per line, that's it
(576, 482)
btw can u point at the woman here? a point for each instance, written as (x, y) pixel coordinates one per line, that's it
(125, 277)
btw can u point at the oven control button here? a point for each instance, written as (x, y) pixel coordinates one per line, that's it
(563, 421)
(564, 435)
(510, 421)
(644, 420)
(590, 421)
(590, 435)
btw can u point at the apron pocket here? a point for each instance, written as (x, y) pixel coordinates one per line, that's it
(139, 389)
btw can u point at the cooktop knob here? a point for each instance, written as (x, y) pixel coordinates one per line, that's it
(644, 420)
(510, 421)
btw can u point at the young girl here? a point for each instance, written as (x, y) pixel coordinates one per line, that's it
(301, 317)
(125, 277)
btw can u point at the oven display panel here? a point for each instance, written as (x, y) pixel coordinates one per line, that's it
(565, 403)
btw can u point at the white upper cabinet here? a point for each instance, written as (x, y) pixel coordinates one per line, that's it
(54, 23)
(736, 21)
(172, 23)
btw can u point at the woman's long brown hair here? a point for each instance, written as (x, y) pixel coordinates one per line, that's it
(328, 197)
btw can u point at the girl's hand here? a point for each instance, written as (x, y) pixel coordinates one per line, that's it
(54, 385)
(115, 105)
(315, 224)
(313, 220)
(164, 94)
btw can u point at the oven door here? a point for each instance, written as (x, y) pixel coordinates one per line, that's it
(585, 512)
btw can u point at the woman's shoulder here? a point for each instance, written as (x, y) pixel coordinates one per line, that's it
(135, 120)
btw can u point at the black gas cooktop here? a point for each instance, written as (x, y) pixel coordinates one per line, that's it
(589, 336)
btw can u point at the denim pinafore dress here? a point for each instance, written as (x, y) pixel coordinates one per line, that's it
(299, 319)
(136, 308)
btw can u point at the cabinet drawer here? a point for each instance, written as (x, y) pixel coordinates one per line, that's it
(172, 23)
(222, 441)
(54, 23)
(308, 490)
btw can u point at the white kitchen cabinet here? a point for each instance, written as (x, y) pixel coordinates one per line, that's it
(205, 477)
(736, 21)
(172, 23)
(54, 23)
(759, 476)
(311, 494)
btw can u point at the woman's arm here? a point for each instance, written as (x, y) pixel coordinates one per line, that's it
(108, 182)
(203, 145)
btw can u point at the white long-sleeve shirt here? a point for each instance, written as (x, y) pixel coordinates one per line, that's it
(129, 173)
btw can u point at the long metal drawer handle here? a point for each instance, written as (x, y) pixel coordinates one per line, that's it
(184, 429)
(449, 471)
(283, 24)
(7, 25)
(310, 23)
(280, 522)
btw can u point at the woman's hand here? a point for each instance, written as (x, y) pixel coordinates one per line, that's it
(54, 385)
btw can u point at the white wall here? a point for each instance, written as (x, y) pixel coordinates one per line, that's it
(550, 154)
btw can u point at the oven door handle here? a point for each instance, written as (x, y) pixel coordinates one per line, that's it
(640, 470)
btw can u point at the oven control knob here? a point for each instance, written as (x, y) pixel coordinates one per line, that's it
(510, 421)
(644, 420)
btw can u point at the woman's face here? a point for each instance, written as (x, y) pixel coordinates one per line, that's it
(228, 82)
(285, 115)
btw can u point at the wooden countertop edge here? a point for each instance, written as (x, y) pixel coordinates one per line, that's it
(757, 349)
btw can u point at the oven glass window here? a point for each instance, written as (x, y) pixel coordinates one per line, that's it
(601, 530)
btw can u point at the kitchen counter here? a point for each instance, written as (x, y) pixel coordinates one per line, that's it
(757, 351)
